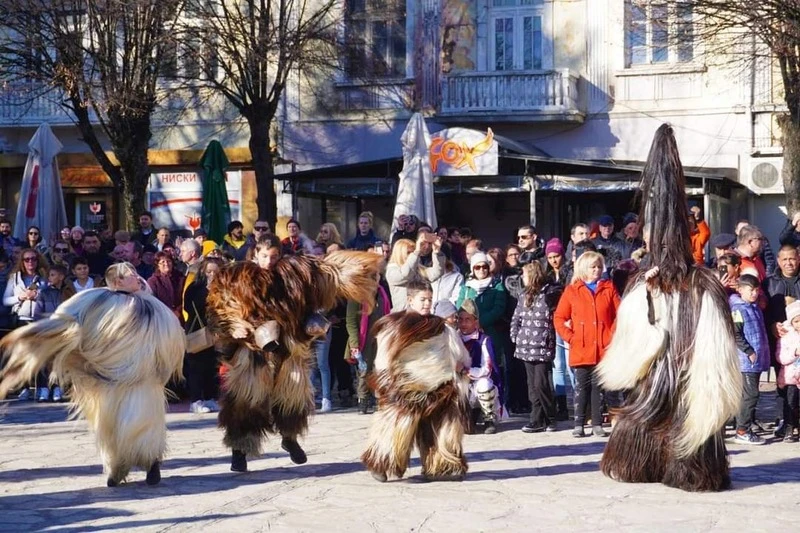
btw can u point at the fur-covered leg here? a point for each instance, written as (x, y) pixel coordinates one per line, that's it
(635, 453)
(391, 438)
(444, 460)
(130, 424)
(246, 411)
(293, 397)
(705, 470)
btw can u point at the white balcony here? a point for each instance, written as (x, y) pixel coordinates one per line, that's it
(511, 97)
(27, 105)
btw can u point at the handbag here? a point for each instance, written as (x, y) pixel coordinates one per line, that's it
(201, 339)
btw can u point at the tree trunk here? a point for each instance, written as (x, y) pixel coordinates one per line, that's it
(262, 165)
(791, 165)
(131, 147)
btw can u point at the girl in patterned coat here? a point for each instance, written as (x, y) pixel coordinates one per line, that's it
(533, 332)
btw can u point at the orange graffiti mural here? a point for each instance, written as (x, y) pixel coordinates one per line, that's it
(458, 154)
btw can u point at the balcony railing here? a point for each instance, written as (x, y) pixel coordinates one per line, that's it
(551, 94)
(30, 105)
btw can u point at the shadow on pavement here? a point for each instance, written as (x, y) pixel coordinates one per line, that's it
(539, 452)
(786, 471)
(131, 524)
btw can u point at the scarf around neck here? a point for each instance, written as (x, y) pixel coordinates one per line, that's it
(479, 285)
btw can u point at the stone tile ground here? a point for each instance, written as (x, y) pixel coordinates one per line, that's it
(50, 480)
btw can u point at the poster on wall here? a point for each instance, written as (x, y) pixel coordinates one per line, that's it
(463, 152)
(91, 212)
(176, 198)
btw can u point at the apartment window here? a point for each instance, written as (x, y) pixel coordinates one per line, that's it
(659, 32)
(516, 34)
(375, 31)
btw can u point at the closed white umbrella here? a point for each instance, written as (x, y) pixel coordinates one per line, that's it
(41, 201)
(415, 190)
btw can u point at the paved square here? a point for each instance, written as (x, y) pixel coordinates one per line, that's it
(50, 480)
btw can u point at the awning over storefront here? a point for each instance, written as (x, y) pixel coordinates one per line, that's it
(517, 172)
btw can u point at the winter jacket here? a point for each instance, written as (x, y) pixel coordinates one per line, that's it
(16, 286)
(399, 276)
(699, 241)
(532, 327)
(491, 305)
(778, 288)
(448, 286)
(358, 328)
(169, 290)
(51, 297)
(363, 242)
(789, 235)
(613, 250)
(750, 334)
(788, 345)
(591, 318)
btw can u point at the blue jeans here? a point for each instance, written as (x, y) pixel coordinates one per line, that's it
(561, 369)
(320, 348)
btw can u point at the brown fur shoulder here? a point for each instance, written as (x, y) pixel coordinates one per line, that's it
(406, 328)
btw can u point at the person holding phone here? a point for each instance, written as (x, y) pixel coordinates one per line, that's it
(728, 270)
(26, 280)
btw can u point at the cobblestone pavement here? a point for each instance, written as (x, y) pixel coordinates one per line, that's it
(50, 480)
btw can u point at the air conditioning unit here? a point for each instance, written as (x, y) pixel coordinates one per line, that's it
(765, 175)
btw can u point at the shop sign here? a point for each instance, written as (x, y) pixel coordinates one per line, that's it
(176, 198)
(463, 152)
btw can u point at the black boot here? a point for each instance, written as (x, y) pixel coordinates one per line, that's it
(154, 474)
(296, 453)
(363, 406)
(238, 461)
(562, 413)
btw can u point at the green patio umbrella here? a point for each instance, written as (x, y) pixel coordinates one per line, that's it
(216, 209)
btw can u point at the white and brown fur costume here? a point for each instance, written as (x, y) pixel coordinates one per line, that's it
(270, 391)
(673, 350)
(117, 351)
(422, 397)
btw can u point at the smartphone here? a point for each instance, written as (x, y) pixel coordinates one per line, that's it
(723, 270)
(431, 237)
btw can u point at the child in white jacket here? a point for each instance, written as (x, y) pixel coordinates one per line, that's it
(788, 355)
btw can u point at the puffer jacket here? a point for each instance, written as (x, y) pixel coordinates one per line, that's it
(532, 327)
(786, 355)
(750, 333)
(586, 321)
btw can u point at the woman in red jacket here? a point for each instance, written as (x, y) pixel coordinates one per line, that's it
(585, 320)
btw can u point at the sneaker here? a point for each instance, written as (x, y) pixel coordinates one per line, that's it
(748, 438)
(57, 395)
(199, 407)
(213, 406)
(326, 406)
(791, 437)
(780, 430)
(25, 395)
(598, 431)
(530, 428)
(42, 394)
(551, 427)
(489, 428)
(578, 432)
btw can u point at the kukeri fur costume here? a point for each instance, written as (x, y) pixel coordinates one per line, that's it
(422, 398)
(268, 391)
(673, 350)
(117, 351)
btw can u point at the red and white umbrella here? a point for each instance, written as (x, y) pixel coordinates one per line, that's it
(41, 200)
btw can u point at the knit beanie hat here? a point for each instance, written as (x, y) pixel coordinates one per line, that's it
(792, 311)
(478, 258)
(554, 246)
(444, 309)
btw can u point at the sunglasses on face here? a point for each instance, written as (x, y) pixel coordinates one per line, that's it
(29, 259)
(521, 237)
(480, 267)
(261, 228)
(61, 250)
(33, 233)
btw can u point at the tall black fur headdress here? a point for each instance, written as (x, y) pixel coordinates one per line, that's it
(665, 211)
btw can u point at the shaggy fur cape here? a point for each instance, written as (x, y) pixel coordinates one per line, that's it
(422, 397)
(117, 351)
(673, 349)
(264, 391)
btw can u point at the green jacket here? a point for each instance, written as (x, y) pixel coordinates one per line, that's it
(491, 306)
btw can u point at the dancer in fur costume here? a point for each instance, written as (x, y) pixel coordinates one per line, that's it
(673, 349)
(422, 394)
(117, 349)
(264, 321)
